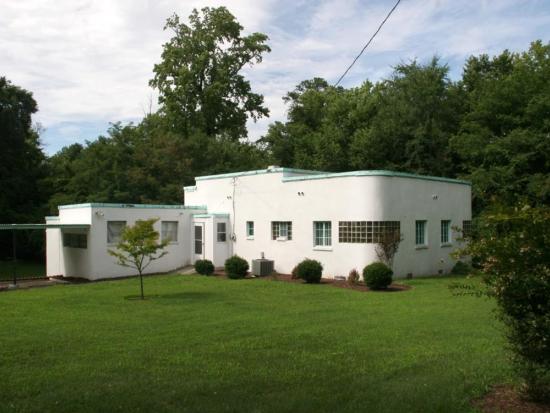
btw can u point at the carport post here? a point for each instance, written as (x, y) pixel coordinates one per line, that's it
(14, 258)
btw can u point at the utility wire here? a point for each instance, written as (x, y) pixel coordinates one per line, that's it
(368, 43)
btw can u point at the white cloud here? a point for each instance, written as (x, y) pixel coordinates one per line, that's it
(89, 61)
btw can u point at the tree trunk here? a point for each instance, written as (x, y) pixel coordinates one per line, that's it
(141, 284)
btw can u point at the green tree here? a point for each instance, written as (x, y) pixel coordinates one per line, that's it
(23, 193)
(199, 81)
(139, 246)
(512, 245)
(503, 145)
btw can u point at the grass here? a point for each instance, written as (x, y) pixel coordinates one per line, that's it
(210, 344)
(24, 269)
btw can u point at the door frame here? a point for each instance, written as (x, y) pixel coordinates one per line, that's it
(202, 227)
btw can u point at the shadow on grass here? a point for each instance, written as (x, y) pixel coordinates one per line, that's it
(173, 297)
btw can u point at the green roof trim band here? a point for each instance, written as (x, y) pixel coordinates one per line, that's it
(390, 174)
(259, 172)
(136, 206)
(213, 215)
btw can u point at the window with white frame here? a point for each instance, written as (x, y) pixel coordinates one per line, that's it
(250, 229)
(114, 231)
(446, 231)
(322, 233)
(169, 231)
(466, 229)
(281, 230)
(371, 232)
(420, 232)
(222, 232)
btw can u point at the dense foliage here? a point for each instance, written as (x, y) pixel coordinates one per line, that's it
(310, 271)
(204, 267)
(23, 192)
(377, 276)
(513, 248)
(236, 267)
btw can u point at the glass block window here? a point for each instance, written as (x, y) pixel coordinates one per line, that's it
(322, 233)
(169, 231)
(281, 229)
(466, 229)
(114, 231)
(445, 232)
(420, 233)
(250, 229)
(222, 232)
(370, 232)
(75, 240)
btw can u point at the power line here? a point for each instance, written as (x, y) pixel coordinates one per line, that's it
(369, 42)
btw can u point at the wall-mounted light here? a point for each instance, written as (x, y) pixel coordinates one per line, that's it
(229, 197)
(300, 194)
(435, 196)
(99, 213)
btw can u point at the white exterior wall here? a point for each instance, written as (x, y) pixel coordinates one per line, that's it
(267, 197)
(94, 262)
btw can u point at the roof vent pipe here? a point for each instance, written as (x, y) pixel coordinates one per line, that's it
(271, 168)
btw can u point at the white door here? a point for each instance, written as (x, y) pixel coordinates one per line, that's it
(198, 245)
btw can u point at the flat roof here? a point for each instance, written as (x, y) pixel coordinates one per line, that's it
(137, 206)
(305, 175)
(259, 172)
(17, 227)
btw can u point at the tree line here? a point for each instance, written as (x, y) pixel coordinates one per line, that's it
(491, 126)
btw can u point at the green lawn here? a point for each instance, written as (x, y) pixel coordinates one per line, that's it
(210, 344)
(24, 269)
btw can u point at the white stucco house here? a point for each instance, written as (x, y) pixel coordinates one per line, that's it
(283, 214)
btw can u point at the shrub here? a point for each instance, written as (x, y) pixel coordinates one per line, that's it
(513, 247)
(294, 273)
(461, 268)
(310, 271)
(236, 267)
(377, 276)
(353, 277)
(204, 267)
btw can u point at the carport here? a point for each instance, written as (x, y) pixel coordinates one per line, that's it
(27, 227)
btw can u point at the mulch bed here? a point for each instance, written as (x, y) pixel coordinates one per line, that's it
(506, 399)
(329, 281)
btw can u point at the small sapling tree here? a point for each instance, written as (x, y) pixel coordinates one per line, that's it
(139, 246)
(387, 246)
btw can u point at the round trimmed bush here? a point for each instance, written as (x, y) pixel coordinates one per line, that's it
(204, 267)
(310, 271)
(236, 267)
(377, 276)
(461, 268)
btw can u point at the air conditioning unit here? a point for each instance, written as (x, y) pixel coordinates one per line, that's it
(262, 267)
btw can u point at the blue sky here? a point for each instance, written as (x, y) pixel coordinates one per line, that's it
(88, 62)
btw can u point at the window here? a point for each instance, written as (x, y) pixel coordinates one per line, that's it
(75, 240)
(250, 229)
(370, 232)
(420, 233)
(281, 230)
(322, 235)
(445, 232)
(466, 229)
(169, 231)
(222, 234)
(114, 231)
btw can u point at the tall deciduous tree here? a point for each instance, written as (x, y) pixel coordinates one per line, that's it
(22, 163)
(200, 79)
